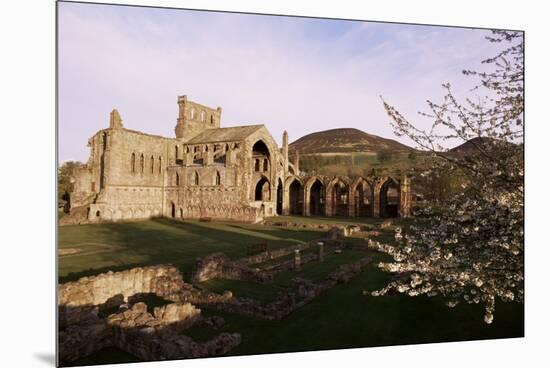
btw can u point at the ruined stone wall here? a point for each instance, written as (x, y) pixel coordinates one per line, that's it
(87, 178)
(151, 158)
(162, 280)
(125, 175)
(219, 266)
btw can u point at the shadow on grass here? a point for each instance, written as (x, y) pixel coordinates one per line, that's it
(166, 241)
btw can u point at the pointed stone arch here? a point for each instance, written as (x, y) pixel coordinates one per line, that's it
(293, 198)
(337, 195)
(389, 195)
(262, 189)
(261, 156)
(314, 197)
(361, 198)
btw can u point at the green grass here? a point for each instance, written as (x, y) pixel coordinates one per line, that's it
(264, 293)
(122, 246)
(341, 317)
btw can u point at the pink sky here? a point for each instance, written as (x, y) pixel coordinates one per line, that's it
(298, 74)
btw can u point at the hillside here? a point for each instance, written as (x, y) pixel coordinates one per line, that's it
(345, 140)
(469, 147)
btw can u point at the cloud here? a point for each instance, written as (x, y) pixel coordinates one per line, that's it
(298, 74)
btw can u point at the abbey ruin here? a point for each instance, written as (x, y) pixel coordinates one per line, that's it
(206, 171)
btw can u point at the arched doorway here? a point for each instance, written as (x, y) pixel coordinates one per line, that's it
(295, 193)
(363, 199)
(316, 203)
(262, 190)
(339, 199)
(279, 197)
(173, 210)
(389, 199)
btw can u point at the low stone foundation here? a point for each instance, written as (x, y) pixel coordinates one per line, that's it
(272, 254)
(300, 293)
(219, 266)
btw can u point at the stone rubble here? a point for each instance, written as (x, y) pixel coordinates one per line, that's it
(132, 328)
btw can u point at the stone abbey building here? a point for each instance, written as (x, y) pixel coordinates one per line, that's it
(206, 171)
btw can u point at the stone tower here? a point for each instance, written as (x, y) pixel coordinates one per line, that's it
(194, 118)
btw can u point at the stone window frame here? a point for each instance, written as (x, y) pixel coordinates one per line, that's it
(195, 179)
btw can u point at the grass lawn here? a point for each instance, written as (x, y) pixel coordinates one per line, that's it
(342, 317)
(104, 247)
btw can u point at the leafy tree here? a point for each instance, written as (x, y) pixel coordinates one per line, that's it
(64, 173)
(472, 249)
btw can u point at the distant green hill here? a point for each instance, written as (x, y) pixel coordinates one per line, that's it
(352, 152)
(345, 140)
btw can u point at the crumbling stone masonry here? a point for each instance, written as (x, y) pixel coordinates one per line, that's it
(219, 266)
(207, 171)
(149, 336)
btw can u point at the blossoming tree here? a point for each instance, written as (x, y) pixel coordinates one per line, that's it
(469, 248)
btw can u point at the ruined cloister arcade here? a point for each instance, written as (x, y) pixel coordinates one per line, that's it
(343, 196)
